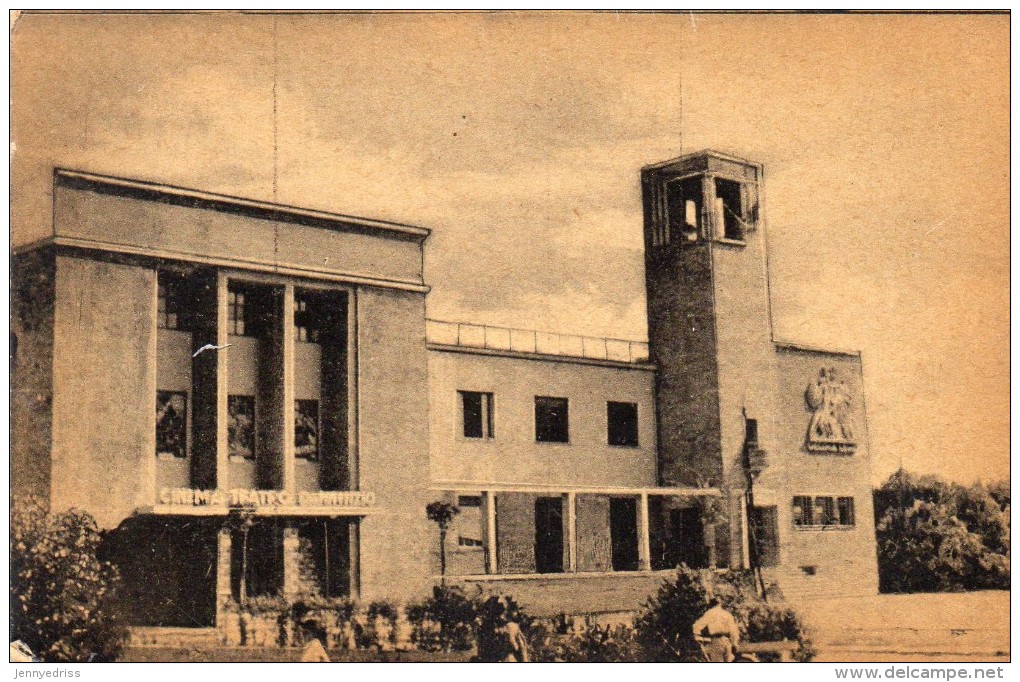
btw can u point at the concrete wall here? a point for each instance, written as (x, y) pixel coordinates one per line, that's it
(844, 558)
(104, 371)
(392, 416)
(186, 232)
(514, 456)
(550, 596)
(32, 309)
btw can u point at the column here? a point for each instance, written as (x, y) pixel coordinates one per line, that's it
(644, 545)
(222, 384)
(489, 500)
(571, 501)
(223, 592)
(291, 563)
(288, 388)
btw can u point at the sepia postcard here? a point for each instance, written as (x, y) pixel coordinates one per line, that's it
(510, 336)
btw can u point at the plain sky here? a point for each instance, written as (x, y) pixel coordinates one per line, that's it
(518, 139)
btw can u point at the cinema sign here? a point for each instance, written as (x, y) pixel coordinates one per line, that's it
(239, 497)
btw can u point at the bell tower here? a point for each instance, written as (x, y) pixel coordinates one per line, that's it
(709, 325)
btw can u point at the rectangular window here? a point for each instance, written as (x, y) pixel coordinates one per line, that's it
(764, 528)
(552, 424)
(846, 511)
(171, 423)
(477, 414)
(307, 318)
(803, 507)
(241, 426)
(825, 511)
(236, 311)
(683, 207)
(306, 429)
(622, 421)
(729, 209)
(169, 306)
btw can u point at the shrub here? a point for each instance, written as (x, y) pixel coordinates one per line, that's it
(60, 592)
(493, 614)
(445, 622)
(665, 627)
(602, 644)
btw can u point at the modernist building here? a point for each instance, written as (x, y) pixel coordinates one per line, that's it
(251, 394)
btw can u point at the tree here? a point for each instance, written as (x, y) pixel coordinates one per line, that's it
(938, 536)
(442, 514)
(60, 592)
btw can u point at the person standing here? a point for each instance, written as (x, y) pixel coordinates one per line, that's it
(718, 633)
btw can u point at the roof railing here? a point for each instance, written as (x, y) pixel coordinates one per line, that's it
(531, 341)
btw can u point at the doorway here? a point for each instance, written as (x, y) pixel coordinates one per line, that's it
(623, 533)
(549, 535)
(688, 537)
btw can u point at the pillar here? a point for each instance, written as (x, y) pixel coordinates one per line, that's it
(291, 563)
(644, 545)
(223, 592)
(288, 388)
(222, 385)
(571, 502)
(489, 501)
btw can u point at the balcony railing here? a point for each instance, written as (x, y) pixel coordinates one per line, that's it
(531, 341)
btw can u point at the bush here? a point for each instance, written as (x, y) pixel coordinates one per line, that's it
(602, 645)
(665, 627)
(492, 615)
(935, 536)
(446, 621)
(60, 592)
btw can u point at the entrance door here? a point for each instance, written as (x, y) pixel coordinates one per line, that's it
(623, 533)
(549, 535)
(688, 534)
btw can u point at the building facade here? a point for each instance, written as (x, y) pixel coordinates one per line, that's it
(252, 396)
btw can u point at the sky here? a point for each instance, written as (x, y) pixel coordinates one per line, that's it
(518, 139)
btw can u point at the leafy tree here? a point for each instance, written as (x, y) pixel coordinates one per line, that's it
(60, 592)
(935, 536)
(442, 514)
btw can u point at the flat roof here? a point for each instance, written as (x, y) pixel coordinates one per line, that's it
(263, 210)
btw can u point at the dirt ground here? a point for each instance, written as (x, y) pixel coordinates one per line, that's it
(970, 627)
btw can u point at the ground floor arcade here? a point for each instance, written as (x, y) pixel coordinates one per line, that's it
(182, 571)
(542, 530)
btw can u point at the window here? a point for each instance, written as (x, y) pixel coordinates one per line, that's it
(846, 511)
(729, 209)
(169, 306)
(241, 426)
(803, 507)
(764, 526)
(751, 432)
(684, 199)
(623, 423)
(477, 414)
(551, 420)
(823, 511)
(306, 318)
(469, 522)
(306, 429)
(171, 424)
(236, 311)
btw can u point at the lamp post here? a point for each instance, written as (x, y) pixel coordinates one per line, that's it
(755, 461)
